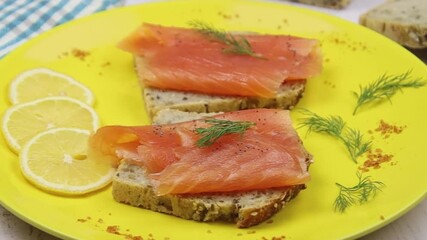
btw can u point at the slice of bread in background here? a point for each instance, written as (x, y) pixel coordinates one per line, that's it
(337, 4)
(404, 21)
(131, 186)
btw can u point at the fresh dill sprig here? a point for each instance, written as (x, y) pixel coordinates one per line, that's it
(240, 46)
(336, 127)
(332, 125)
(219, 128)
(385, 87)
(355, 144)
(361, 193)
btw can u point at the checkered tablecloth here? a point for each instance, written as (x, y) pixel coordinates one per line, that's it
(21, 20)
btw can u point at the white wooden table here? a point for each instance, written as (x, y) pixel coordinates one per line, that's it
(411, 226)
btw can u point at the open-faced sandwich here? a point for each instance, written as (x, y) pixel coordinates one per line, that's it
(191, 171)
(202, 69)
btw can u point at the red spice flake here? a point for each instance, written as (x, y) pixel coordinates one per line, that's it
(130, 237)
(114, 229)
(329, 83)
(225, 16)
(375, 159)
(80, 54)
(347, 42)
(82, 220)
(278, 238)
(274, 238)
(285, 21)
(387, 129)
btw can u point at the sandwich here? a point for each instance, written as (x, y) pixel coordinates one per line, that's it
(203, 69)
(244, 178)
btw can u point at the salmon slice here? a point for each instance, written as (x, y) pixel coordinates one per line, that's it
(184, 59)
(268, 155)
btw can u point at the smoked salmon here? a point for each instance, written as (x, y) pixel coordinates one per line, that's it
(184, 59)
(268, 154)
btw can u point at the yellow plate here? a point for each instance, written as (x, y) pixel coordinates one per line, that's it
(352, 56)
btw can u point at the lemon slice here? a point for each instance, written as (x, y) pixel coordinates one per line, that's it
(56, 160)
(23, 121)
(42, 82)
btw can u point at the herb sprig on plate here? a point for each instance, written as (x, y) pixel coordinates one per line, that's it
(236, 45)
(359, 194)
(219, 128)
(336, 127)
(385, 87)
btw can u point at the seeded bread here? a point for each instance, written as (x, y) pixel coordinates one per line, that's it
(131, 186)
(404, 21)
(158, 99)
(167, 116)
(337, 4)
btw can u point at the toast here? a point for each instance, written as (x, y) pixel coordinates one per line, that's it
(402, 21)
(131, 186)
(158, 99)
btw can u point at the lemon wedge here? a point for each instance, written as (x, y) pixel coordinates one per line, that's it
(42, 82)
(56, 161)
(23, 121)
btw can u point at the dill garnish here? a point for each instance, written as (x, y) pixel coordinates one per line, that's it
(385, 87)
(219, 128)
(336, 127)
(239, 46)
(355, 144)
(361, 193)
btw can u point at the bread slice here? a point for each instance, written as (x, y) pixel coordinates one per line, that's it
(158, 99)
(404, 21)
(131, 186)
(337, 4)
